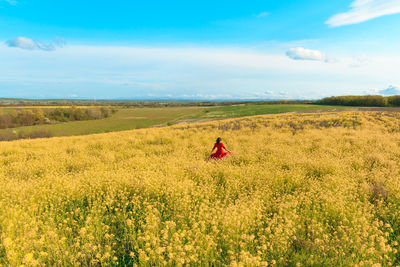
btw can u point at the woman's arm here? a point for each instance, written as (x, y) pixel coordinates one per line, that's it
(225, 148)
(215, 145)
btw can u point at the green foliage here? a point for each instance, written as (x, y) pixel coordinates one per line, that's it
(118, 120)
(360, 101)
(394, 100)
(37, 116)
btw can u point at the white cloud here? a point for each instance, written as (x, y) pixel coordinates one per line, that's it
(270, 94)
(22, 42)
(29, 44)
(300, 53)
(198, 72)
(360, 61)
(391, 90)
(60, 41)
(363, 10)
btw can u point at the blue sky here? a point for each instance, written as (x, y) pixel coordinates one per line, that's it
(199, 49)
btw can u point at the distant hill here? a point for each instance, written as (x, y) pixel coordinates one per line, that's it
(6, 102)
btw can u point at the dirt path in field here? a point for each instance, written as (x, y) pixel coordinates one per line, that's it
(189, 121)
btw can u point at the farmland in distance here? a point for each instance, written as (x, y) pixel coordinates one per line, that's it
(136, 118)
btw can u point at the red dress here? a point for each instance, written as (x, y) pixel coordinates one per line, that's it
(220, 154)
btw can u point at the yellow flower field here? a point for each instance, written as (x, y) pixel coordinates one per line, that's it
(298, 190)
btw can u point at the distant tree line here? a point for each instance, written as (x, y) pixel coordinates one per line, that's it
(36, 116)
(362, 101)
(7, 102)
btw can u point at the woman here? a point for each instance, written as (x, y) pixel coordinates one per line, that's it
(220, 154)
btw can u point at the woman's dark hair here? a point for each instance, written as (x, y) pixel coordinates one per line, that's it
(218, 140)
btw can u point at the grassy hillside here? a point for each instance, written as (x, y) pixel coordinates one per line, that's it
(311, 189)
(124, 119)
(251, 110)
(135, 118)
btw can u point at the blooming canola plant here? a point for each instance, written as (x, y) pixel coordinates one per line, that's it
(299, 189)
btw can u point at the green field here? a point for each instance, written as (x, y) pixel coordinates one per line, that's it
(123, 119)
(135, 118)
(252, 110)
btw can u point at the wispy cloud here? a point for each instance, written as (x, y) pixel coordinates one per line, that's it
(12, 2)
(29, 44)
(262, 14)
(270, 94)
(360, 61)
(60, 41)
(363, 10)
(184, 72)
(301, 53)
(391, 90)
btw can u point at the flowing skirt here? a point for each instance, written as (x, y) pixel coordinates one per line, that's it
(220, 155)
